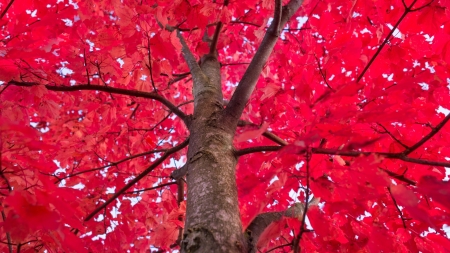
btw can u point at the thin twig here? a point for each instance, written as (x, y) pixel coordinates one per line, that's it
(134, 93)
(151, 188)
(399, 177)
(323, 74)
(392, 136)
(155, 164)
(434, 131)
(423, 6)
(296, 241)
(86, 67)
(388, 37)
(134, 111)
(149, 66)
(398, 209)
(113, 163)
(6, 9)
(279, 247)
(269, 135)
(8, 235)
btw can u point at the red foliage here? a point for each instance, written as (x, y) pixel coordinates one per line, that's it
(355, 85)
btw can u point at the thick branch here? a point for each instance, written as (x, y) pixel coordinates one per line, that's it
(139, 177)
(324, 151)
(263, 220)
(277, 17)
(179, 173)
(251, 75)
(213, 47)
(196, 72)
(134, 93)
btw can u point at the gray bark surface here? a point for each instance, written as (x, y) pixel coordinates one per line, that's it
(213, 222)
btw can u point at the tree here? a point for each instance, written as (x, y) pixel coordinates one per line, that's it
(224, 126)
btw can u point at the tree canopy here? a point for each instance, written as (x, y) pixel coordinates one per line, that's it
(336, 110)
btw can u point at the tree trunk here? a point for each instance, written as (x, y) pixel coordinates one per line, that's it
(213, 223)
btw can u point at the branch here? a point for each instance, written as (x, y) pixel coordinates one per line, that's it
(151, 188)
(213, 47)
(267, 134)
(423, 6)
(134, 93)
(324, 151)
(391, 135)
(196, 72)
(250, 150)
(434, 131)
(407, 10)
(6, 9)
(179, 173)
(398, 208)
(149, 66)
(279, 247)
(248, 82)
(113, 163)
(263, 220)
(298, 238)
(8, 186)
(323, 74)
(329, 152)
(425, 162)
(277, 17)
(139, 177)
(399, 177)
(8, 235)
(180, 199)
(397, 156)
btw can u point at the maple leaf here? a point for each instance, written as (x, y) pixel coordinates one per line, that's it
(114, 137)
(436, 189)
(35, 215)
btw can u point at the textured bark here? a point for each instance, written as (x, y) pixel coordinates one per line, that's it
(263, 220)
(213, 222)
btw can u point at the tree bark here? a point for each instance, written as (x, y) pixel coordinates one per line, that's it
(213, 222)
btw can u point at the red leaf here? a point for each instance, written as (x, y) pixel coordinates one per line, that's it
(34, 215)
(408, 199)
(438, 190)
